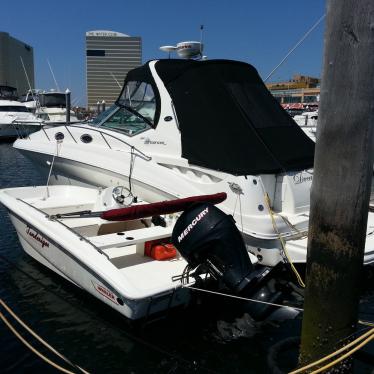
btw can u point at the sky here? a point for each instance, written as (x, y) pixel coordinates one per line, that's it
(258, 32)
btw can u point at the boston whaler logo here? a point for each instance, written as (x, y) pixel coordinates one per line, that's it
(303, 176)
(105, 292)
(151, 142)
(192, 224)
(37, 237)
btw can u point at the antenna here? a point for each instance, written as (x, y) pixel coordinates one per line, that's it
(54, 78)
(115, 79)
(27, 77)
(35, 98)
(201, 39)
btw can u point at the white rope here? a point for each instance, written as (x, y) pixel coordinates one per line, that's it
(244, 298)
(34, 350)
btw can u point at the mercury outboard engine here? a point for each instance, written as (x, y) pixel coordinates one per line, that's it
(204, 235)
(210, 242)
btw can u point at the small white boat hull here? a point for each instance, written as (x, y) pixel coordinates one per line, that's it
(95, 274)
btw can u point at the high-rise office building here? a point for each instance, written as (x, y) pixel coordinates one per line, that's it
(11, 69)
(110, 56)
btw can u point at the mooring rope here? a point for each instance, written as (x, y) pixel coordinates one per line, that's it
(364, 339)
(157, 348)
(243, 298)
(34, 350)
(35, 335)
(280, 237)
(369, 335)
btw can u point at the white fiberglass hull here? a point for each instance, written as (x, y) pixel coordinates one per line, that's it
(67, 255)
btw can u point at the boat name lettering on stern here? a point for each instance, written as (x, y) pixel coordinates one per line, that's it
(192, 224)
(302, 177)
(37, 237)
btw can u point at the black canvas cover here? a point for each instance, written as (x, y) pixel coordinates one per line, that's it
(230, 122)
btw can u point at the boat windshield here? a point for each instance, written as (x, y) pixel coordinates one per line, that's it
(104, 115)
(134, 112)
(122, 120)
(139, 97)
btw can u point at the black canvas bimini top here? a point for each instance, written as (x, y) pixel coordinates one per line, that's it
(229, 121)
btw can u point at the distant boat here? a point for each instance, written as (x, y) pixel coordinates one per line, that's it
(49, 106)
(308, 122)
(15, 118)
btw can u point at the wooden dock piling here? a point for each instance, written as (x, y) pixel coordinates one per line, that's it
(342, 178)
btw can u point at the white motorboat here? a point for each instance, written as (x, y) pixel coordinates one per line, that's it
(182, 128)
(308, 123)
(124, 257)
(15, 119)
(49, 107)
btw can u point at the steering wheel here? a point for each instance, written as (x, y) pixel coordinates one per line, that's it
(122, 195)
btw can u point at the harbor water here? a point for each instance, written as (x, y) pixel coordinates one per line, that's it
(214, 335)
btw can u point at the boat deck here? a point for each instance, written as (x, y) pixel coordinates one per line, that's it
(126, 252)
(123, 243)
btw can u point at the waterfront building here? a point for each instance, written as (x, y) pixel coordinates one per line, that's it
(110, 56)
(303, 90)
(11, 70)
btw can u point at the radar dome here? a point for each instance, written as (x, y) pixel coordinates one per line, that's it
(189, 49)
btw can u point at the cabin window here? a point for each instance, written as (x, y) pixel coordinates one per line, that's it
(13, 108)
(53, 100)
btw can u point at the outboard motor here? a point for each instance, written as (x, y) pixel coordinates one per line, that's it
(204, 235)
(210, 242)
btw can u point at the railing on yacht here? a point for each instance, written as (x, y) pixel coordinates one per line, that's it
(104, 135)
(22, 127)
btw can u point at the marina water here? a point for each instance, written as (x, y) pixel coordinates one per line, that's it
(214, 335)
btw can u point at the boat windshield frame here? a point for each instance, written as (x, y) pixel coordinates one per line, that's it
(112, 112)
(136, 113)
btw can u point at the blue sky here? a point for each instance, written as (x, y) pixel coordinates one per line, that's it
(258, 32)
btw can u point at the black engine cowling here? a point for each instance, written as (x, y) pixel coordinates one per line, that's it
(205, 235)
(209, 241)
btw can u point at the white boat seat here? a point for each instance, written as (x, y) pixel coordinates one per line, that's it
(131, 237)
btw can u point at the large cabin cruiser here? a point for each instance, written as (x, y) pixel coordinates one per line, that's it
(186, 127)
(49, 106)
(15, 118)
